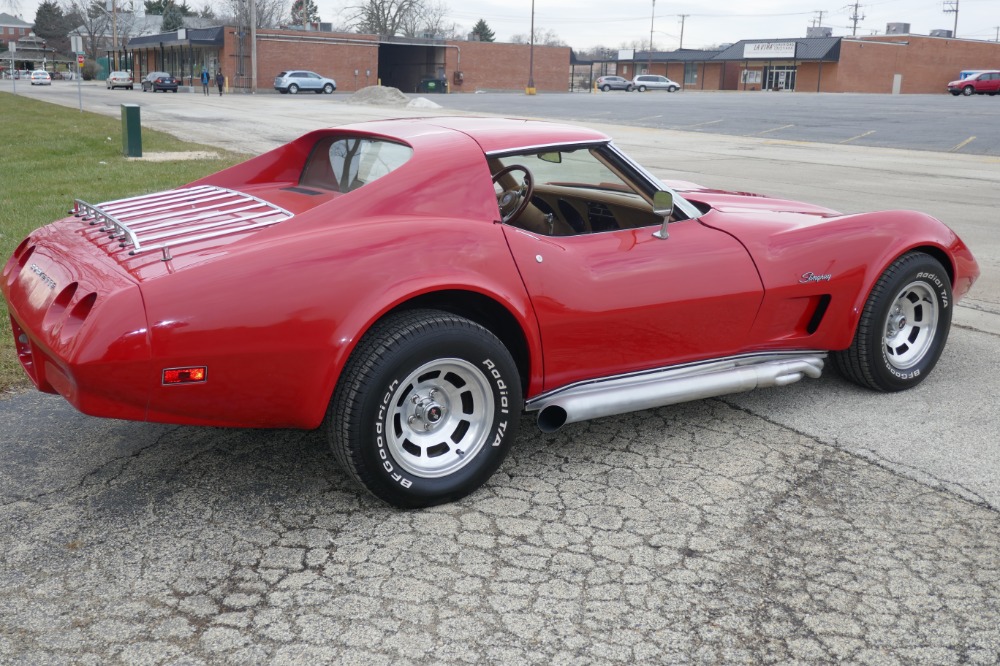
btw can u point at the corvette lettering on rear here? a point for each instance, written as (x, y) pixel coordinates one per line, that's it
(42, 276)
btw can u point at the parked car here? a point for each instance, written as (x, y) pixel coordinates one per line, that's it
(121, 80)
(607, 83)
(159, 81)
(982, 83)
(645, 82)
(57, 76)
(40, 77)
(293, 81)
(415, 285)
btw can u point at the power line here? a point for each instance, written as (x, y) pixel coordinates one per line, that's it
(856, 17)
(949, 7)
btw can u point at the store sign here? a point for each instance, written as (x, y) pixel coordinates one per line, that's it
(772, 50)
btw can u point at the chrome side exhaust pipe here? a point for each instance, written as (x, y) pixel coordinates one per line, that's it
(591, 400)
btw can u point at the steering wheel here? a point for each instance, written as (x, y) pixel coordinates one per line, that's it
(513, 202)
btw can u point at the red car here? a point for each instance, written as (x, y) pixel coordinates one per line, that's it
(415, 285)
(981, 83)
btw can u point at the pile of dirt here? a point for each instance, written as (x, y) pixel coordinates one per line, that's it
(379, 96)
(386, 96)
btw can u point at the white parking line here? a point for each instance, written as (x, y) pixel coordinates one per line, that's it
(707, 122)
(768, 131)
(860, 136)
(962, 145)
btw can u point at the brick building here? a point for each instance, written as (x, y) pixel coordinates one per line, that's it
(354, 60)
(898, 63)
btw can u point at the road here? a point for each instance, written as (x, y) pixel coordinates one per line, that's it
(815, 523)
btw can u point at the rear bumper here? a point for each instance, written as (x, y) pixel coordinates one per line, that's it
(78, 324)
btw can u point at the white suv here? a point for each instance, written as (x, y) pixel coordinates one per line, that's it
(293, 81)
(645, 82)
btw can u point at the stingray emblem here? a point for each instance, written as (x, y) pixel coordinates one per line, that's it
(812, 277)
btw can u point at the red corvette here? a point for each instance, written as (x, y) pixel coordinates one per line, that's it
(418, 284)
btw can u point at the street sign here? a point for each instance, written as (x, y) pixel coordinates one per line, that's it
(79, 60)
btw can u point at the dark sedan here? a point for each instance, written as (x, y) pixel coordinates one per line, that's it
(159, 81)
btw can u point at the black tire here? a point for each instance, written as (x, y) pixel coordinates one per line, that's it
(673, 89)
(641, 88)
(328, 89)
(903, 328)
(968, 90)
(293, 89)
(408, 451)
(605, 87)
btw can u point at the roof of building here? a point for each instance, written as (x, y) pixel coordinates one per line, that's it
(8, 21)
(806, 48)
(680, 55)
(136, 26)
(212, 36)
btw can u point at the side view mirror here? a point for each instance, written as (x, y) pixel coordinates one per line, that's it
(663, 205)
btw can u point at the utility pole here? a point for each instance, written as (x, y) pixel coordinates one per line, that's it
(997, 28)
(649, 59)
(683, 16)
(951, 6)
(818, 21)
(856, 17)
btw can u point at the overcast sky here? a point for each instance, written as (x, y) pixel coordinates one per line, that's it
(612, 23)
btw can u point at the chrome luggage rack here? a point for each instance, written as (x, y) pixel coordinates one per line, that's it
(167, 219)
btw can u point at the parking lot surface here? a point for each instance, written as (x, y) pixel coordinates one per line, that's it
(817, 523)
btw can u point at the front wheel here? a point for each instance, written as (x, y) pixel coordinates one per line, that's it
(426, 408)
(328, 89)
(903, 328)
(968, 90)
(673, 89)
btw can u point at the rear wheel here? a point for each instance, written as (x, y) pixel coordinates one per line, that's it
(903, 328)
(642, 88)
(605, 87)
(293, 89)
(426, 408)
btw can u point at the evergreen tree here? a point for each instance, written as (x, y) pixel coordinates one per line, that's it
(173, 18)
(159, 7)
(312, 12)
(52, 26)
(483, 31)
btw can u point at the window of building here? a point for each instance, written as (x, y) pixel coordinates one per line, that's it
(690, 73)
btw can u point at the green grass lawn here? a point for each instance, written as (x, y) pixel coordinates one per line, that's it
(51, 155)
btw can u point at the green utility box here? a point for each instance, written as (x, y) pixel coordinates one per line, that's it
(131, 131)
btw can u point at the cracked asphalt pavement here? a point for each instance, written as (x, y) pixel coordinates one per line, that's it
(699, 533)
(812, 524)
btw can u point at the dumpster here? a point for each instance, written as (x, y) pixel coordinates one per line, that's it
(432, 85)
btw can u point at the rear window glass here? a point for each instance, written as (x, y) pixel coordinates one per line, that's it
(344, 163)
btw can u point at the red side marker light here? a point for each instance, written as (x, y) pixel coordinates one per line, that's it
(193, 375)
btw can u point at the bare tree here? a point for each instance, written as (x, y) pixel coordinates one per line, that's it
(270, 13)
(12, 5)
(94, 25)
(382, 17)
(428, 18)
(543, 37)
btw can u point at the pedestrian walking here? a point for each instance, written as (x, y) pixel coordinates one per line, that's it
(205, 80)
(220, 81)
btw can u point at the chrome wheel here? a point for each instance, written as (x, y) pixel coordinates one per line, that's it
(911, 325)
(440, 418)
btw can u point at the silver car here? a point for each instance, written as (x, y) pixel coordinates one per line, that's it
(293, 81)
(645, 82)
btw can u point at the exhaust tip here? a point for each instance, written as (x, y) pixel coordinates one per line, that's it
(551, 418)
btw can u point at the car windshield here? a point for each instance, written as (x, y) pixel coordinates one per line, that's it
(569, 168)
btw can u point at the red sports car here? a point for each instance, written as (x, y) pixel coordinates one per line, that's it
(416, 285)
